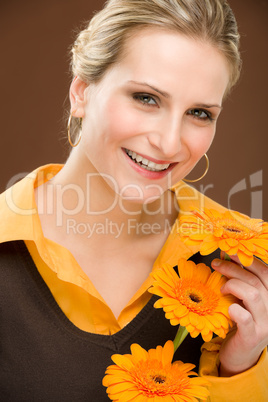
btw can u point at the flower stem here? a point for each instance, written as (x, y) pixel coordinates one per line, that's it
(227, 257)
(180, 336)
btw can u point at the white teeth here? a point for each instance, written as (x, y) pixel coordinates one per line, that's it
(138, 158)
(145, 161)
(165, 166)
(146, 164)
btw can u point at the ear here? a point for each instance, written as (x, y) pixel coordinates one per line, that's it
(77, 96)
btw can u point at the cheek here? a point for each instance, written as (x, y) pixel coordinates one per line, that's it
(198, 144)
(122, 122)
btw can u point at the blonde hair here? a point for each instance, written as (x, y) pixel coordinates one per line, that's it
(101, 44)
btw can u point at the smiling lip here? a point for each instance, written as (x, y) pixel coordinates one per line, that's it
(145, 170)
(157, 161)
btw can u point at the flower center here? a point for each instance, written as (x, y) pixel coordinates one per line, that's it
(154, 379)
(158, 379)
(195, 298)
(233, 230)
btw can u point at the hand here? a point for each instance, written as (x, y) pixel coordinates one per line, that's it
(245, 342)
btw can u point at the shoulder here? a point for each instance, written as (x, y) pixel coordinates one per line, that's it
(17, 204)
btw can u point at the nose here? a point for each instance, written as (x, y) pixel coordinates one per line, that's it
(166, 138)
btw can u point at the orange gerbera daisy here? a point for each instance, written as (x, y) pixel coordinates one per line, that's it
(230, 231)
(151, 376)
(193, 299)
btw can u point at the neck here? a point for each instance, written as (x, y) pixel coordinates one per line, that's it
(80, 201)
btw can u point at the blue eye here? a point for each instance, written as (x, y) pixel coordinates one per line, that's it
(145, 99)
(200, 114)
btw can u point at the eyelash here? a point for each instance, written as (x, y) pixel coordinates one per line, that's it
(138, 97)
(208, 114)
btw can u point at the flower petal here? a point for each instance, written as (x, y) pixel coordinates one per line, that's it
(202, 272)
(138, 352)
(245, 259)
(168, 352)
(122, 361)
(186, 268)
(208, 248)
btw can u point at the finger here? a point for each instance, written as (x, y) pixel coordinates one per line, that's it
(245, 323)
(257, 264)
(233, 270)
(259, 269)
(252, 298)
(256, 275)
(247, 332)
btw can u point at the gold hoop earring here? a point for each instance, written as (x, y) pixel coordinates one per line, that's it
(203, 175)
(69, 131)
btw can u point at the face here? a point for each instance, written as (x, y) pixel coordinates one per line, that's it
(153, 115)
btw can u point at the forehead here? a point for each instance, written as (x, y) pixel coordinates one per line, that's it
(173, 62)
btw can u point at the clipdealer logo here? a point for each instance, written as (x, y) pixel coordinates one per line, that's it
(250, 187)
(253, 185)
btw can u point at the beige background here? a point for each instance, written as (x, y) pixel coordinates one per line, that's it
(35, 38)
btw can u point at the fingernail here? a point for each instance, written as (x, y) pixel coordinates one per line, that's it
(216, 262)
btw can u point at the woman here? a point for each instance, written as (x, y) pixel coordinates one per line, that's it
(79, 241)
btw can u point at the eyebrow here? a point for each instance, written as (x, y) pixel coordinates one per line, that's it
(208, 106)
(167, 95)
(163, 93)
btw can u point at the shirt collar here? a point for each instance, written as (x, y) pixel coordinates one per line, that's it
(19, 215)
